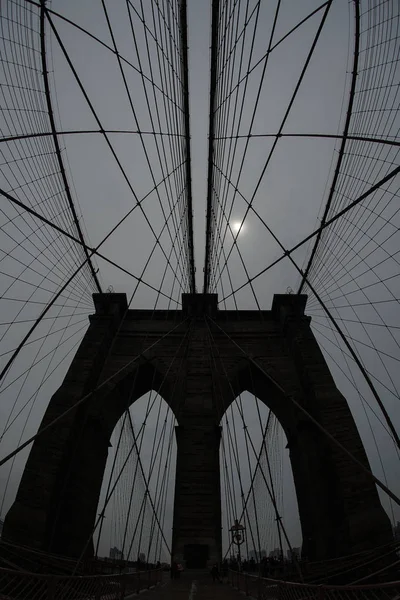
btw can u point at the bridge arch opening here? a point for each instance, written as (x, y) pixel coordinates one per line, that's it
(136, 499)
(312, 465)
(55, 509)
(257, 486)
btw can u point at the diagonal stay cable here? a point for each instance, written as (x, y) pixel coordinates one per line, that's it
(87, 396)
(334, 321)
(329, 222)
(221, 154)
(98, 40)
(132, 108)
(167, 65)
(236, 121)
(343, 142)
(100, 516)
(72, 237)
(378, 354)
(278, 517)
(350, 378)
(285, 117)
(271, 491)
(146, 483)
(237, 36)
(108, 354)
(128, 402)
(169, 122)
(243, 263)
(276, 239)
(259, 368)
(46, 318)
(230, 507)
(61, 290)
(149, 408)
(217, 256)
(333, 295)
(35, 363)
(56, 142)
(362, 253)
(46, 185)
(90, 105)
(282, 39)
(42, 337)
(31, 397)
(374, 377)
(154, 37)
(232, 440)
(34, 398)
(135, 448)
(350, 184)
(256, 469)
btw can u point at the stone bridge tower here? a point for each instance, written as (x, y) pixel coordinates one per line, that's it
(197, 358)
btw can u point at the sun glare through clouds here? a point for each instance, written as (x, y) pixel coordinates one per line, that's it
(237, 227)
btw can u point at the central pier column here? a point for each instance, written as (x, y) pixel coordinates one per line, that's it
(196, 540)
(197, 507)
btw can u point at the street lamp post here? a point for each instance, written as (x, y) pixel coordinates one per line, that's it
(237, 534)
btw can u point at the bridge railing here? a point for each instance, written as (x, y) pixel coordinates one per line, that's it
(17, 585)
(272, 589)
(35, 561)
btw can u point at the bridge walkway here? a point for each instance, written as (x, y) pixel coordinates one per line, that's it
(193, 585)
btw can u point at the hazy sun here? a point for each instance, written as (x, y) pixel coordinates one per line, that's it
(236, 226)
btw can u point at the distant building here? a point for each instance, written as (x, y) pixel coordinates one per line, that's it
(257, 555)
(116, 554)
(142, 557)
(275, 553)
(396, 531)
